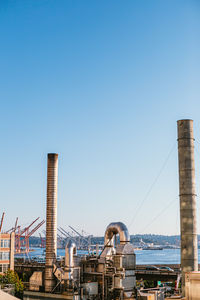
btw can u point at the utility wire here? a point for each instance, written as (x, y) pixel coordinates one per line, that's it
(197, 141)
(159, 214)
(156, 217)
(152, 185)
(197, 151)
(177, 230)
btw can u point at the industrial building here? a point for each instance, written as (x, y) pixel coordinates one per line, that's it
(7, 249)
(111, 274)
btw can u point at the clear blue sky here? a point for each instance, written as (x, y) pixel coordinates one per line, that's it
(102, 83)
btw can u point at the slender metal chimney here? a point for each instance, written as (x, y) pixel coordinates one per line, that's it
(189, 253)
(51, 220)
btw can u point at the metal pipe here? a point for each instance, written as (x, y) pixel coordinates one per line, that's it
(111, 230)
(188, 223)
(51, 220)
(70, 251)
(117, 228)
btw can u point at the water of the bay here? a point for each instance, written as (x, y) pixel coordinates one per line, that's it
(157, 257)
(165, 256)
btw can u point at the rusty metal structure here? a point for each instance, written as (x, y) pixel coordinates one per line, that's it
(22, 235)
(1, 224)
(51, 220)
(188, 222)
(110, 275)
(28, 234)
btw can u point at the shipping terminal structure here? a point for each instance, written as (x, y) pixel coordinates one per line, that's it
(110, 275)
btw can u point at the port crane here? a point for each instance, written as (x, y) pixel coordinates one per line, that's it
(1, 224)
(42, 241)
(67, 235)
(22, 236)
(29, 234)
(84, 241)
(13, 229)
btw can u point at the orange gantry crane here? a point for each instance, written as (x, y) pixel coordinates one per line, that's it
(13, 229)
(1, 224)
(22, 236)
(29, 234)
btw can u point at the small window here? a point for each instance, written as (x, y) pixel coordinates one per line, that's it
(6, 243)
(5, 267)
(4, 255)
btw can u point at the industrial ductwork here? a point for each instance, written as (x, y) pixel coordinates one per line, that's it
(117, 228)
(51, 220)
(93, 277)
(70, 251)
(111, 230)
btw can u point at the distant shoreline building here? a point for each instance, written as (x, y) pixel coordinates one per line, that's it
(7, 251)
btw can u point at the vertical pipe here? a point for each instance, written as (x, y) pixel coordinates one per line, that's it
(51, 220)
(188, 223)
(70, 250)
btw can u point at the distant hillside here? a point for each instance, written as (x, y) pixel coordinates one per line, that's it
(156, 239)
(146, 238)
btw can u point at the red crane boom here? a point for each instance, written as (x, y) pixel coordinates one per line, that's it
(2, 221)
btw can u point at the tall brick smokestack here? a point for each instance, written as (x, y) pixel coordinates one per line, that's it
(51, 220)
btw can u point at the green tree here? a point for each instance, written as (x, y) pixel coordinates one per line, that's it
(11, 277)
